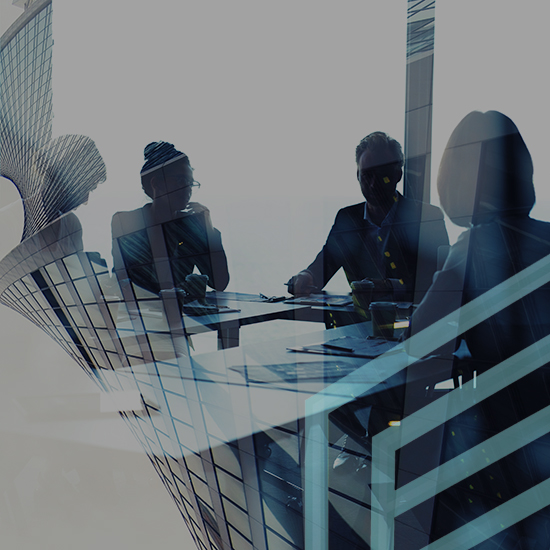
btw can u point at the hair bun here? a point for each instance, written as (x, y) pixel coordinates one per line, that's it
(159, 152)
(149, 149)
(158, 148)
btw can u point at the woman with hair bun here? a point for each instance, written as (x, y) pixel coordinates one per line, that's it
(170, 230)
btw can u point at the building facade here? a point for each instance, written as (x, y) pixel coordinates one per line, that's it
(242, 441)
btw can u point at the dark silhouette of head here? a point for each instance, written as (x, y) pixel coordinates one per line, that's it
(378, 142)
(486, 171)
(379, 168)
(165, 170)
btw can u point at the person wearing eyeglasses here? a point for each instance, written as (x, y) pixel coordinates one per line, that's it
(389, 239)
(170, 230)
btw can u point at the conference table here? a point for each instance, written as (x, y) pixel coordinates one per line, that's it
(229, 311)
(240, 309)
(236, 310)
(260, 392)
(257, 400)
(226, 313)
(289, 370)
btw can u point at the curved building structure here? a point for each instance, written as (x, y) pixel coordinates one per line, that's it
(195, 420)
(53, 176)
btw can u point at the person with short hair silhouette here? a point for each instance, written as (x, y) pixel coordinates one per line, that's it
(389, 239)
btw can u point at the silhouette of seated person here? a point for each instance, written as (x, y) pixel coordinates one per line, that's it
(485, 184)
(390, 240)
(157, 246)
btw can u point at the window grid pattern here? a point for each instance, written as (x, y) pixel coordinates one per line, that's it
(79, 303)
(53, 176)
(420, 27)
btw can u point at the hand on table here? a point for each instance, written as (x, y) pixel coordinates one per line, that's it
(301, 284)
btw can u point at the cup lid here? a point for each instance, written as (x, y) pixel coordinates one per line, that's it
(362, 285)
(382, 305)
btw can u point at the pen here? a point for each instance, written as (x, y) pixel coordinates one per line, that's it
(339, 348)
(272, 299)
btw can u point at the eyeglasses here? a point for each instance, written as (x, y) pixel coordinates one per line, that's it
(182, 180)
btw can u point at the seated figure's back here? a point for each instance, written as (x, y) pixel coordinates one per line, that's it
(498, 251)
(485, 184)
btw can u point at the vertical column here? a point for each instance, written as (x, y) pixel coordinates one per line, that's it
(419, 95)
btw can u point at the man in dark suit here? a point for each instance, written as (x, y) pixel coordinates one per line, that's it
(389, 239)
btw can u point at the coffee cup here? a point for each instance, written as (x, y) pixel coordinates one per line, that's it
(383, 319)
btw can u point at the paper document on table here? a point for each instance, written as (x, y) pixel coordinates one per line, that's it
(197, 309)
(349, 346)
(321, 301)
(295, 372)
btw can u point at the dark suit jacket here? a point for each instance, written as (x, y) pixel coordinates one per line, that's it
(482, 258)
(142, 248)
(404, 250)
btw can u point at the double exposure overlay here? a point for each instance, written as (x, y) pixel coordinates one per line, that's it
(409, 411)
(53, 176)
